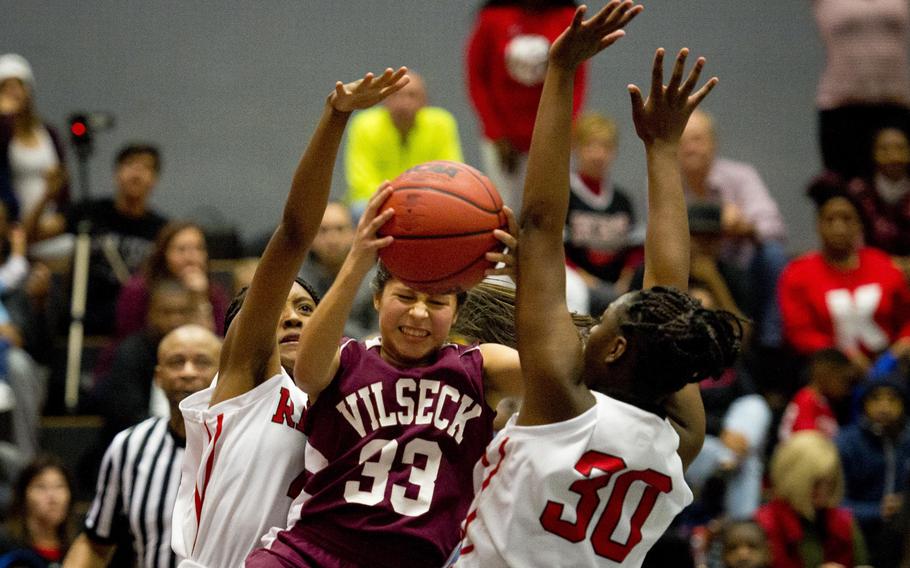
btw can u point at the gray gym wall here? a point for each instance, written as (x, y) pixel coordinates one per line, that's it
(231, 91)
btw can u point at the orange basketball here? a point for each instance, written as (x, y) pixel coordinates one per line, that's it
(445, 214)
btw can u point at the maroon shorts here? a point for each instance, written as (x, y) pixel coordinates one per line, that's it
(302, 555)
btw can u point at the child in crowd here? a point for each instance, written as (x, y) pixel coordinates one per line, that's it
(831, 376)
(875, 452)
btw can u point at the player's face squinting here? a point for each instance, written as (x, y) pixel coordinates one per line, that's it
(297, 311)
(413, 324)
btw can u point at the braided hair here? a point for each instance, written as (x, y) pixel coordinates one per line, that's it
(675, 341)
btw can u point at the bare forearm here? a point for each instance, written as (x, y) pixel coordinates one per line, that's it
(545, 201)
(667, 238)
(320, 337)
(312, 179)
(86, 554)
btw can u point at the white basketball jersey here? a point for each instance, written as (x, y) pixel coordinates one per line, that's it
(596, 490)
(242, 469)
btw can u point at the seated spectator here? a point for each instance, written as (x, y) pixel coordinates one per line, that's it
(179, 254)
(753, 229)
(744, 545)
(804, 522)
(327, 254)
(39, 528)
(884, 197)
(31, 153)
(123, 394)
(831, 377)
(876, 456)
(844, 295)
(728, 283)
(737, 422)
(123, 229)
(599, 241)
(386, 140)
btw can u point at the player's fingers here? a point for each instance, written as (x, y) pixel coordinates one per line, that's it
(578, 17)
(383, 242)
(366, 81)
(657, 74)
(678, 68)
(610, 39)
(511, 221)
(628, 15)
(498, 257)
(700, 94)
(692, 79)
(637, 102)
(505, 238)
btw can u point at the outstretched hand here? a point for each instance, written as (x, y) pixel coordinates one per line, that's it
(584, 39)
(663, 117)
(367, 243)
(368, 91)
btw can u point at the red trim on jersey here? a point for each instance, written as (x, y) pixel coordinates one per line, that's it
(486, 482)
(209, 464)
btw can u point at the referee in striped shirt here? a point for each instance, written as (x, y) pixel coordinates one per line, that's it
(137, 484)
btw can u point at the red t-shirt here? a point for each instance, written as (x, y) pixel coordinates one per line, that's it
(809, 410)
(506, 64)
(867, 307)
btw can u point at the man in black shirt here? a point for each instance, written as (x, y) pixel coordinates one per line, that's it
(123, 230)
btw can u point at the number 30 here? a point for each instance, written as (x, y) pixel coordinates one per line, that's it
(601, 537)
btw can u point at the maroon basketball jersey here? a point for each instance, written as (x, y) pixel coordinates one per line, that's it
(391, 457)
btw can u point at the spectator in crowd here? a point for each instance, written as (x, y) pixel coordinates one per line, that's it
(875, 452)
(727, 282)
(737, 422)
(753, 228)
(32, 159)
(124, 395)
(866, 82)
(327, 254)
(804, 522)
(141, 503)
(505, 67)
(600, 245)
(831, 377)
(39, 528)
(844, 295)
(180, 254)
(386, 140)
(744, 545)
(123, 230)
(884, 196)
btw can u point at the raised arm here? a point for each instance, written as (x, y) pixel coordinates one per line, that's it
(249, 355)
(548, 343)
(318, 351)
(659, 122)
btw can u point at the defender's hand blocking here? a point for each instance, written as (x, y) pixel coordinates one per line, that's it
(368, 91)
(663, 117)
(584, 39)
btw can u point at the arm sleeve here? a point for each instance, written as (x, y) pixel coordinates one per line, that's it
(105, 517)
(363, 176)
(479, 70)
(799, 329)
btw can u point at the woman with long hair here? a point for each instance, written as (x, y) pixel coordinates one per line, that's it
(180, 253)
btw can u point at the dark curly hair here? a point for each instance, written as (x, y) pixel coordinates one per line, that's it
(675, 341)
(237, 303)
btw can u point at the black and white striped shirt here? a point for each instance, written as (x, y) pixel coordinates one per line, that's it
(137, 488)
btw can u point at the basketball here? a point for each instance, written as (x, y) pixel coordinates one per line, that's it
(445, 214)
